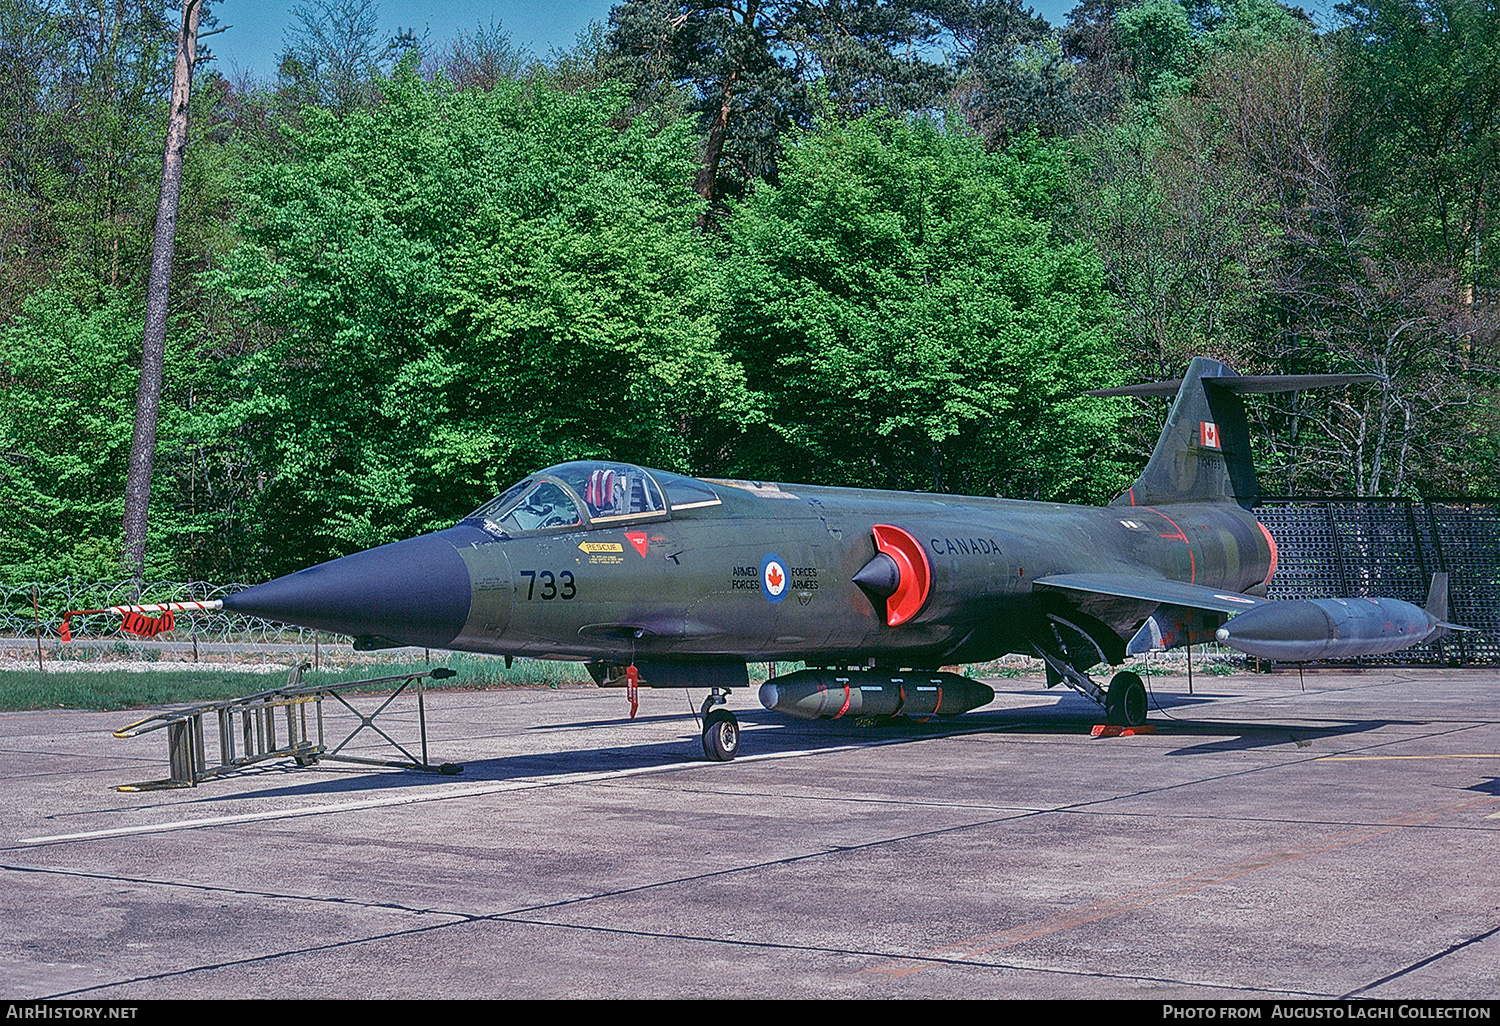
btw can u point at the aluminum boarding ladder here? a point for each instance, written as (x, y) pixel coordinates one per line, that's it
(249, 732)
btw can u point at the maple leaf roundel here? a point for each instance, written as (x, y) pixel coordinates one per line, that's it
(773, 578)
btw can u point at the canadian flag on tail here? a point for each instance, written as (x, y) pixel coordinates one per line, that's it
(1208, 433)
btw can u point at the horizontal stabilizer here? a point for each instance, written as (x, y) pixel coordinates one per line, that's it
(1247, 384)
(1437, 604)
(1150, 589)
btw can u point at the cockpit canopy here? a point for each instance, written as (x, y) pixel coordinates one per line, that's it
(589, 494)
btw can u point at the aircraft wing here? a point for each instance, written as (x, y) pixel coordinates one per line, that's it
(1149, 589)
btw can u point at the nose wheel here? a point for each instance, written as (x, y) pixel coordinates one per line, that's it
(721, 731)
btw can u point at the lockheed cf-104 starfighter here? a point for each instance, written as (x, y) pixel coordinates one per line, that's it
(654, 579)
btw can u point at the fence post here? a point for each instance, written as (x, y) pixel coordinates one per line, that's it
(36, 615)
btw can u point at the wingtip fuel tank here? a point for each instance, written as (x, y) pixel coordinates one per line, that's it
(1302, 630)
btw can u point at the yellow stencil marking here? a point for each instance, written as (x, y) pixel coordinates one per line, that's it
(1383, 758)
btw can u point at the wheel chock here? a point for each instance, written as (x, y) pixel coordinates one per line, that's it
(1105, 730)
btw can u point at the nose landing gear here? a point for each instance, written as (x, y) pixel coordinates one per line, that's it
(721, 730)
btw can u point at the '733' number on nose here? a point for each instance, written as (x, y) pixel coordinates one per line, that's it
(551, 588)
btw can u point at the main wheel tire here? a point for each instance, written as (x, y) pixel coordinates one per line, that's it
(721, 736)
(1125, 702)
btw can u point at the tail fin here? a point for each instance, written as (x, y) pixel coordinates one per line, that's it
(1437, 608)
(1437, 598)
(1203, 454)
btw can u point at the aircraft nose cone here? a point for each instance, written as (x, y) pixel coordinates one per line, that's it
(415, 592)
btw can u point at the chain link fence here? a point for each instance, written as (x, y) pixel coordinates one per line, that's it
(19, 617)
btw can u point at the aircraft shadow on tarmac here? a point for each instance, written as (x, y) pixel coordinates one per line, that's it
(1240, 737)
(1490, 786)
(767, 733)
(1071, 718)
(770, 733)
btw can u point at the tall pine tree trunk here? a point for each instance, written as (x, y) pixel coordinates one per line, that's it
(718, 131)
(154, 341)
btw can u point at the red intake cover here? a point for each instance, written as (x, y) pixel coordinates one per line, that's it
(915, 573)
(1271, 542)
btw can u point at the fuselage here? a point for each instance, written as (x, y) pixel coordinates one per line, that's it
(611, 563)
(707, 581)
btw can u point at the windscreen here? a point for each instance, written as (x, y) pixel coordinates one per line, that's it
(532, 505)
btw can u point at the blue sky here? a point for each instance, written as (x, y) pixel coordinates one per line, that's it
(257, 28)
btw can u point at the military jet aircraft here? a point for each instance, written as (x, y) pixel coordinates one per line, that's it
(656, 579)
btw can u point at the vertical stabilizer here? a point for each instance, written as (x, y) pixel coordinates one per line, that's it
(1203, 454)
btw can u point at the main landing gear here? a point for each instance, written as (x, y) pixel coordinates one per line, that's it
(721, 731)
(1125, 701)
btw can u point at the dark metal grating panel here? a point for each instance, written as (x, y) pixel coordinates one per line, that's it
(1469, 535)
(1336, 548)
(1308, 561)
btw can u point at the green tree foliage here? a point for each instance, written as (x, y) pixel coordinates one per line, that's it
(732, 62)
(1424, 77)
(84, 90)
(1013, 75)
(1091, 41)
(437, 287)
(900, 304)
(868, 55)
(87, 89)
(464, 287)
(65, 434)
(1159, 40)
(1182, 229)
(752, 70)
(34, 54)
(1341, 291)
(85, 85)
(1234, 220)
(1167, 41)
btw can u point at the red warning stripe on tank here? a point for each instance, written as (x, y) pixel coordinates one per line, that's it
(845, 707)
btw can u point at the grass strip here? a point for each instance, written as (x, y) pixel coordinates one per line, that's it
(104, 689)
